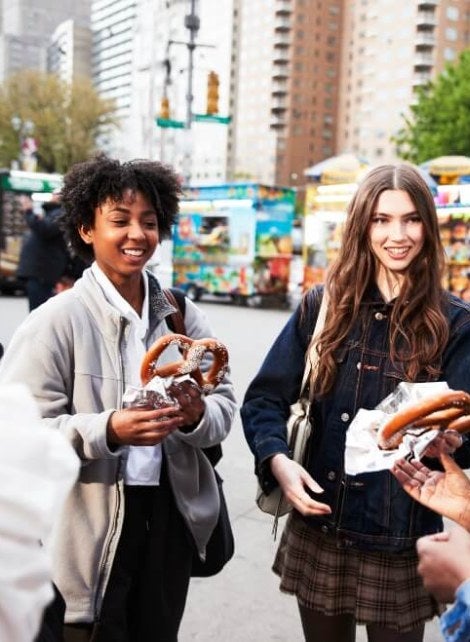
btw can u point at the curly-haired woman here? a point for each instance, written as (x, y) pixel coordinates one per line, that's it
(348, 549)
(147, 496)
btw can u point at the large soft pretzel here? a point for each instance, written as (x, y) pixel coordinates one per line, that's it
(439, 411)
(193, 351)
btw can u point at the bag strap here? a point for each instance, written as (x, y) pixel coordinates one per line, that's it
(176, 319)
(176, 324)
(311, 361)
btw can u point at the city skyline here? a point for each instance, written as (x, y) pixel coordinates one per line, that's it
(299, 81)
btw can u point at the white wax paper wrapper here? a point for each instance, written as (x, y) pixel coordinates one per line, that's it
(363, 454)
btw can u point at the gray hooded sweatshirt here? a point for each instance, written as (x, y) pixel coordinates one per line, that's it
(68, 351)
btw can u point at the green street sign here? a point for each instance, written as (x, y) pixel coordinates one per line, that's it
(168, 122)
(211, 118)
(19, 181)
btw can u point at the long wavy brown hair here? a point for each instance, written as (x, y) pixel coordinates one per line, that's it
(418, 326)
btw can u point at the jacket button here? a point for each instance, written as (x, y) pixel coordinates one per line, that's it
(324, 528)
(331, 475)
(344, 417)
(358, 365)
(379, 316)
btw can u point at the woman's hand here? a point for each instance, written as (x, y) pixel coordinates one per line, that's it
(142, 427)
(293, 478)
(446, 442)
(190, 400)
(447, 493)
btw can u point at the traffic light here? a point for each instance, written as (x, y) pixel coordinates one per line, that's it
(212, 93)
(165, 108)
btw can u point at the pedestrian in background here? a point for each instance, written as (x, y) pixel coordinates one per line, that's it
(43, 255)
(146, 500)
(348, 548)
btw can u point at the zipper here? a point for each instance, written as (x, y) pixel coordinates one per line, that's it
(114, 519)
(122, 327)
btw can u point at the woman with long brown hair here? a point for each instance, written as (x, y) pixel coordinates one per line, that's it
(348, 548)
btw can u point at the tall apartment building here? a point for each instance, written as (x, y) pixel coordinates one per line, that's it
(339, 76)
(287, 98)
(112, 26)
(383, 62)
(69, 51)
(26, 28)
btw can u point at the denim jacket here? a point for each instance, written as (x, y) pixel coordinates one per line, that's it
(370, 510)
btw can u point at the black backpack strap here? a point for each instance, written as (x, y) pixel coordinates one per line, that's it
(176, 320)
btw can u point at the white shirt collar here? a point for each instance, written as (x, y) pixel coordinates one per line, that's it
(141, 323)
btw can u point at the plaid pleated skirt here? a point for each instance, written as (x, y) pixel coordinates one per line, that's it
(376, 588)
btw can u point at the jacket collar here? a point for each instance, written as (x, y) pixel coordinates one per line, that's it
(107, 317)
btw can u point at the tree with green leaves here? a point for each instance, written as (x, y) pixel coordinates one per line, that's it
(68, 118)
(439, 122)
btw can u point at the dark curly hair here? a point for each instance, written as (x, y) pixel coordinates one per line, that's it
(88, 184)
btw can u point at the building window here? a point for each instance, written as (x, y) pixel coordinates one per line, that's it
(452, 13)
(449, 54)
(451, 34)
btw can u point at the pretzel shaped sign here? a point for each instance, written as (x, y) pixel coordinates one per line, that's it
(193, 351)
(448, 410)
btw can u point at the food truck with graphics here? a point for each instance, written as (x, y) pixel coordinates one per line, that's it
(235, 240)
(453, 211)
(13, 184)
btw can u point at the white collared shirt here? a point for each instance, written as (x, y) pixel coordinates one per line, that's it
(143, 462)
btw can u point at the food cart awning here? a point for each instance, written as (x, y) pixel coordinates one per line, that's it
(447, 166)
(344, 168)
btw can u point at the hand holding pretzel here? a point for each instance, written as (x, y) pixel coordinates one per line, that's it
(193, 351)
(449, 410)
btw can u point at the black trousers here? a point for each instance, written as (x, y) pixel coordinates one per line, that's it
(146, 593)
(53, 620)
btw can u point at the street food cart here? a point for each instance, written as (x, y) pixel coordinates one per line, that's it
(325, 213)
(235, 240)
(453, 210)
(13, 184)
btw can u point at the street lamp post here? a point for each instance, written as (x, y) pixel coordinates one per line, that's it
(27, 150)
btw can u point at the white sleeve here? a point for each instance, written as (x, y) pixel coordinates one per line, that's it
(37, 470)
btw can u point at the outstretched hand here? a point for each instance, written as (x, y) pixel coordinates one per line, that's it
(447, 493)
(444, 562)
(293, 479)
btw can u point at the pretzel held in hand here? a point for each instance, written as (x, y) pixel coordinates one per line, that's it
(440, 410)
(193, 351)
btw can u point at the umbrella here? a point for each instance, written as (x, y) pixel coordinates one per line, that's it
(448, 166)
(344, 168)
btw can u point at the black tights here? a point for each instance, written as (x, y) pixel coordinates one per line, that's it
(342, 628)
